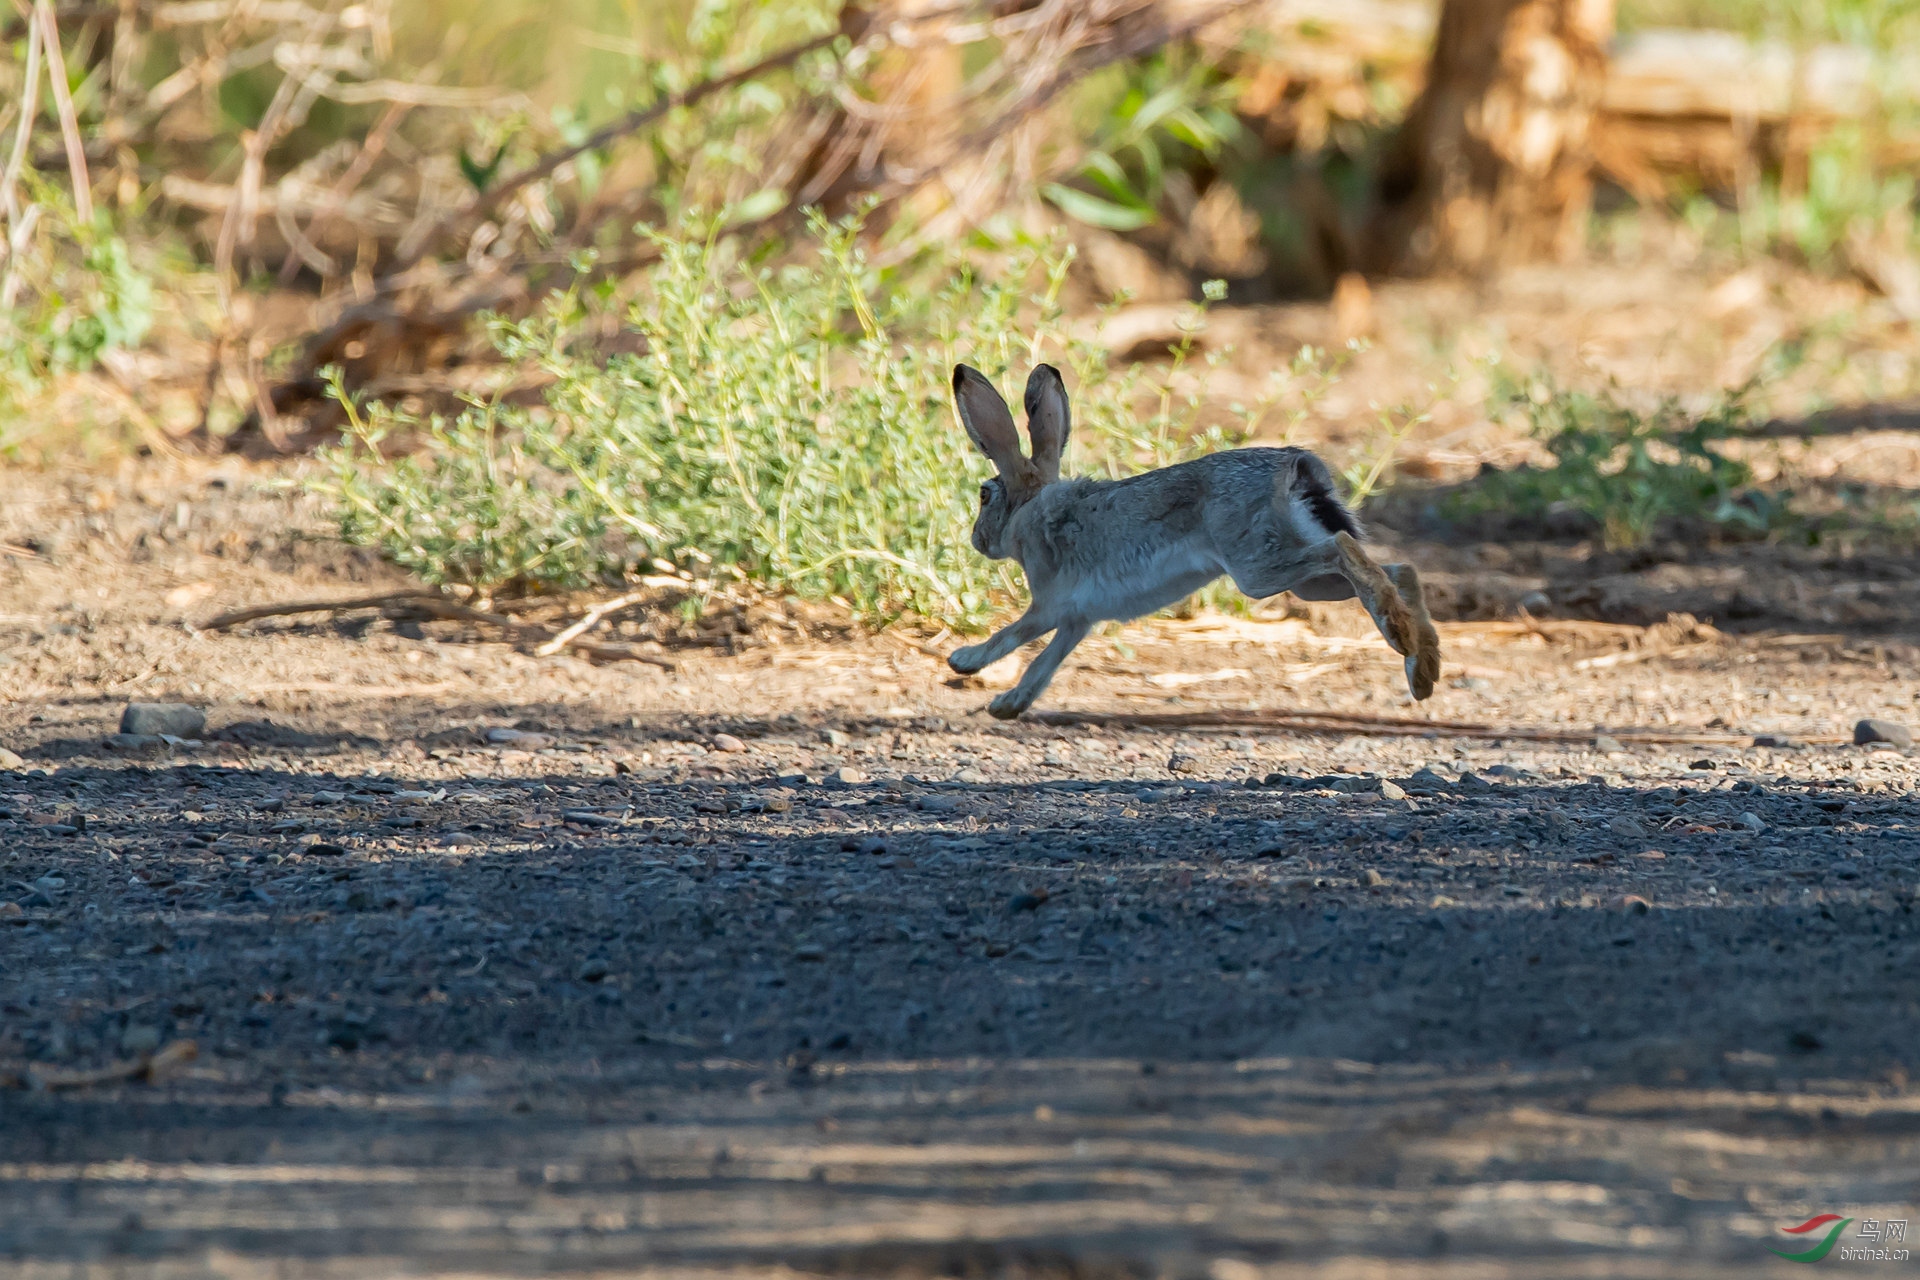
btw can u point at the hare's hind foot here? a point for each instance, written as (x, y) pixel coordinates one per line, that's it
(1423, 664)
(1378, 596)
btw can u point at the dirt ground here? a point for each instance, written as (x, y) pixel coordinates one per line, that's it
(790, 960)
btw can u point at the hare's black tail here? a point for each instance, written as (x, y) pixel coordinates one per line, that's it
(1312, 486)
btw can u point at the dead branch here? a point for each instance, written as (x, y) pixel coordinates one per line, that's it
(1334, 723)
(239, 616)
(540, 640)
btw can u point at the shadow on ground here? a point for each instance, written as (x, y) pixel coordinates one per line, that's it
(579, 1022)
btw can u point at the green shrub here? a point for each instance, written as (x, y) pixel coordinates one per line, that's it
(792, 425)
(1629, 472)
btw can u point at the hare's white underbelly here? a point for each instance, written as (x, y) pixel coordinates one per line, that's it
(1138, 581)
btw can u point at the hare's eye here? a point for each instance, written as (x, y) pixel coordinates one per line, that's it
(986, 493)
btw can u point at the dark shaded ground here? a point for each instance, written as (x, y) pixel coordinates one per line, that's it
(939, 1027)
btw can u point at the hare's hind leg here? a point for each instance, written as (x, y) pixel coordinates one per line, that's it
(1342, 555)
(1423, 664)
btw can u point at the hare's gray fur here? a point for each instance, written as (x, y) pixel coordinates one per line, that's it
(1114, 550)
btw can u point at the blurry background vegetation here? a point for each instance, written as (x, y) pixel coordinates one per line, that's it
(283, 225)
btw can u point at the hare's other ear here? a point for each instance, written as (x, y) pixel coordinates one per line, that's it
(988, 421)
(1048, 419)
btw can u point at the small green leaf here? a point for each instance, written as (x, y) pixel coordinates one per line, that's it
(1094, 211)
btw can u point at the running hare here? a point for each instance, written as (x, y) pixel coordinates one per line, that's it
(1100, 550)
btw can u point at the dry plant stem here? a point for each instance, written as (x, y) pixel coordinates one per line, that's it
(69, 120)
(19, 222)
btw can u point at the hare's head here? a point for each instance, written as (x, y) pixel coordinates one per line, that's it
(1018, 478)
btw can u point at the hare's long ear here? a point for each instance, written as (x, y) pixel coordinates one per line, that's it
(988, 421)
(1048, 419)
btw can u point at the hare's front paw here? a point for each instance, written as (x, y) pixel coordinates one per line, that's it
(968, 659)
(1007, 706)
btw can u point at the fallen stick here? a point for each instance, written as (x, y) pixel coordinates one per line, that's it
(546, 643)
(238, 616)
(150, 1067)
(587, 623)
(1400, 727)
(528, 633)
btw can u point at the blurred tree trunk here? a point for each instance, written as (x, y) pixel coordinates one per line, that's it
(1494, 162)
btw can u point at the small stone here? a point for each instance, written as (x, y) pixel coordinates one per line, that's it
(776, 804)
(1846, 870)
(592, 970)
(1772, 740)
(835, 738)
(1628, 827)
(135, 743)
(848, 776)
(1178, 763)
(323, 849)
(1426, 779)
(176, 718)
(11, 911)
(1442, 900)
(810, 953)
(937, 804)
(139, 1038)
(8, 760)
(1392, 790)
(1372, 878)
(1536, 602)
(329, 797)
(1631, 903)
(1607, 744)
(1026, 901)
(1752, 822)
(1888, 731)
(970, 776)
(728, 743)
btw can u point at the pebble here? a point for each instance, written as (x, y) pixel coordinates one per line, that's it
(592, 970)
(1392, 790)
(1371, 878)
(1889, 731)
(11, 911)
(1632, 904)
(1026, 901)
(1846, 870)
(1752, 822)
(323, 849)
(519, 739)
(971, 776)
(134, 742)
(9, 760)
(728, 743)
(810, 953)
(1426, 779)
(848, 776)
(1772, 740)
(1178, 763)
(835, 738)
(175, 718)
(1628, 827)
(1607, 744)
